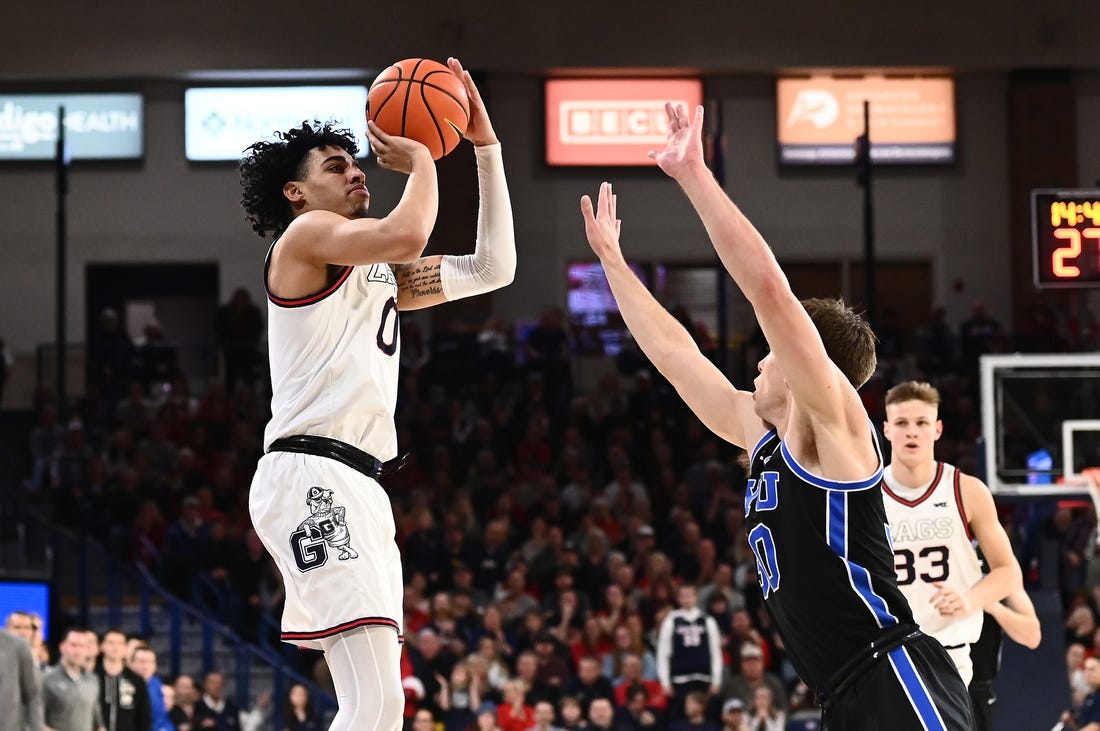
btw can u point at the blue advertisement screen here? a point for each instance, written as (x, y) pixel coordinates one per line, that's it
(26, 596)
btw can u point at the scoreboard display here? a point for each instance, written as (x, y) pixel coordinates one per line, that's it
(1065, 237)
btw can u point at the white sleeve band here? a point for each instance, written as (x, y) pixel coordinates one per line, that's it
(493, 263)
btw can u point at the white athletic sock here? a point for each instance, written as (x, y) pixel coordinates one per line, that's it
(366, 669)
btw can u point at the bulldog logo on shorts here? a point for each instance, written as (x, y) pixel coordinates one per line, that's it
(326, 527)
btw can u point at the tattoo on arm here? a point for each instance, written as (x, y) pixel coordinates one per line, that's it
(420, 280)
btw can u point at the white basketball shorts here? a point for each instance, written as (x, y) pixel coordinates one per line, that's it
(330, 530)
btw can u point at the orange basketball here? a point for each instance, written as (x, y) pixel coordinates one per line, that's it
(420, 99)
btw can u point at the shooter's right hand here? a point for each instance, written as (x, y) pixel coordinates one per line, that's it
(392, 152)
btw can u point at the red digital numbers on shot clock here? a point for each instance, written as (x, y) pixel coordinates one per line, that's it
(1065, 237)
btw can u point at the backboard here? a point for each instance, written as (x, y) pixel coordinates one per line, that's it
(1040, 421)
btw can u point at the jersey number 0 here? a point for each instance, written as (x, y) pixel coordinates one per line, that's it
(763, 495)
(389, 348)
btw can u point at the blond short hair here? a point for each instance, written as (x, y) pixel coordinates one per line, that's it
(913, 391)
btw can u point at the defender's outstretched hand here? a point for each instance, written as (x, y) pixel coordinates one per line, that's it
(684, 147)
(479, 130)
(602, 227)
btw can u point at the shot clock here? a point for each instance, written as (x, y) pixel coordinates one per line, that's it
(1065, 237)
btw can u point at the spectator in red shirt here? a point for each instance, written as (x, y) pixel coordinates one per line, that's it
(513, 714)
(416, 614)
(632, 677)
(743, 632)
(591, 642)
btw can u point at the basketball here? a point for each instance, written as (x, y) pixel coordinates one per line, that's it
(420, 99)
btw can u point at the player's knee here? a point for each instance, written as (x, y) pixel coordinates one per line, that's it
(389, 713)
(385, 712)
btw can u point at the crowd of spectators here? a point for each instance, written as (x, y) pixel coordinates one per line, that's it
(544, 528)
(122, 690)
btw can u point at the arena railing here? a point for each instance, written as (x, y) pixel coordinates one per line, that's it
(82, 572)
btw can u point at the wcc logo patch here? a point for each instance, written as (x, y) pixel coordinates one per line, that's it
(326, 528)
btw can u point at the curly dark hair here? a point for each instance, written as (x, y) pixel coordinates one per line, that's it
(267, 166)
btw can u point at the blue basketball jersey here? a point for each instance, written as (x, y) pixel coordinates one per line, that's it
(824, 559)
(690, 654)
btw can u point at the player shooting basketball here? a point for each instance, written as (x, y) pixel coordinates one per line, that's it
(814, 512)
(336, 281)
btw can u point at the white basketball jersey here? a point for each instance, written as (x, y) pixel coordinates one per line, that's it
(932, 543)
(334, 361)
